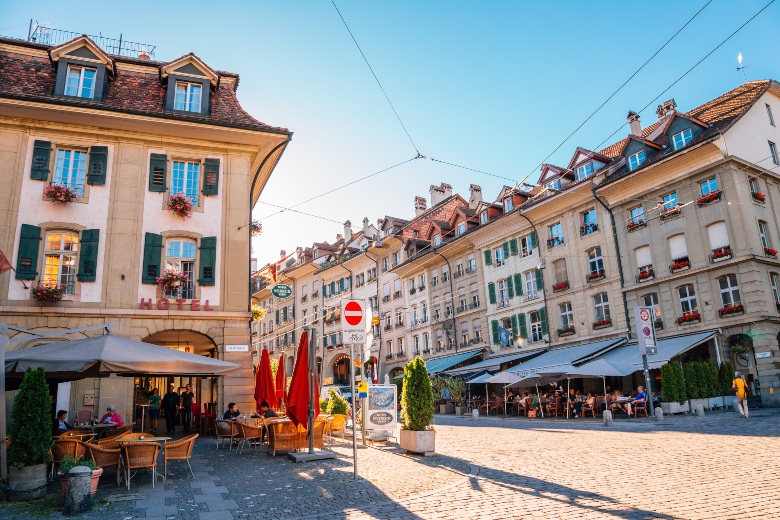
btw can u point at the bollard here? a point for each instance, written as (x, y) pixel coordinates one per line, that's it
(79, 497)
(475, 414)
(699, 410)
(607, 418)
(659, 414)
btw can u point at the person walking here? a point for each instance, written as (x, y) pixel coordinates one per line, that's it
(170, 405)
(740, 386)
(187, 398)
(154, 409)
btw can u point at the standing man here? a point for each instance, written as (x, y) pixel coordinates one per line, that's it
(187, 397)
(740, 386)
(170, 405)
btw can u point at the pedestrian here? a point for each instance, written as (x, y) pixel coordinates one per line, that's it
(154, 409)
(740, 386)
(187, 397)
(170, 405)
(445, 394)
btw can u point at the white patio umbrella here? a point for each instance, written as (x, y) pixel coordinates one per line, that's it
(603, 368)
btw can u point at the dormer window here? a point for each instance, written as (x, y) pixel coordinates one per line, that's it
(483, 217)
(436, 240)
(508, 204)
(681, 139)
(188, 96)
(554, 185)
(636, 160)
(586, 170)
(80, 82)
(461, 228)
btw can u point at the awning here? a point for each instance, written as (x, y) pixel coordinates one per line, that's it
(440, 364)
(495, 363)
(480, 379)
(667, 349)
(466, 376)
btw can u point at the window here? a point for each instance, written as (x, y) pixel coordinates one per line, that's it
(483, 217)
(185, 177)
(530, 283)
(80, 82)
(69, 170)
(509, 204)
(414, 316)
(753, 184)
(709, 186)
(503, 293)
(459, 269)
(462, 305)
(559, 271)
(400, 343)
(180, 257)
(589, 222)
(472, 263)
(426, 342)
(476, 326)
(601, 307)
(187, 97)
(397, 288)
(554, 184)
(436, 240)
(769, 114)
(670, 201)
(719, 237)
(464, 333)
(651, 300)
(556, 235)
(643, 258)
(499, 253)
(566, 314)
(595, 261)
(536, 326)
(681, 139)
(775, 282)
(396, 259)
(584, 171)
(525, 246)
(729, 290)
(636, 160)
(445, 274)
(678, 249)
(687, 299)
(763, 231)
(424, 309)
(416, 345)
(60, 260)
(461, 228)
(773, 152)
(389, 348)
(638, 215)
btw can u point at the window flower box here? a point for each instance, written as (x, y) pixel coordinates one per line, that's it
(171, 280)
(421, 288)
(566, 331)
(671, 213)
(731, 310)
(48, 293)
(777, 306)
(758, 196)
(588, 229)
(412, 290)
(658, 323)
(602, 324)
(739, 350)
(59, 194)
(680, 264)
(554, 241)
(771, 253)
(560, 286)
(721, 254)
(646, 274)
(688, 318)
(709, 198)
(595, 276)
(634, 225)
(180, 205)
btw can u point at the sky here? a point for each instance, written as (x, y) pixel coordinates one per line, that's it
(494, 86)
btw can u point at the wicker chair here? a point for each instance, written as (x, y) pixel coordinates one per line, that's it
(247, 432)
(588, 408)
(131, 436)
(640, 407)
(106, 457)
(283, 436)
(338, 424)
(84, 416)
(553, 407)
(140, 455)
(226, 430)
(179, 450)
(63, 447)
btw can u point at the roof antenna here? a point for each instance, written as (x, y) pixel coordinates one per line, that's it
(742, 67)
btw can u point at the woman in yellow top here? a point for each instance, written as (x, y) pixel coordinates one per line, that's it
(740, 386)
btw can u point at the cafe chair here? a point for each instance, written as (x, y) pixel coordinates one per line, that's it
(226, 430)
(248, 433)
(586, 408)
(140, 455)
(640, 407)
(62, 447)
(283, 436)
(179, 450)
(338, 424)
(106, 457)
(553, 407)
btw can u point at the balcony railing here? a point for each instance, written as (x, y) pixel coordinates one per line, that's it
(463, 308)
(458, 274)
(554, 242)
(385, 299)
(646, 274)
(396, 295)
(388, 327)
(474, 305)
(531, 296)
(471, 269)
(502, 304)
(589, 228)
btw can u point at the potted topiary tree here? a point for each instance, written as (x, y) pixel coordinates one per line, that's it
(713, 385)
(725, 377)
(417, 409)
(457, 388)
(673, 389)
(30, 437)
(695, 385)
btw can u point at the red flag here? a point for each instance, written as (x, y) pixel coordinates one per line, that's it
(5, 265)
(298, 397)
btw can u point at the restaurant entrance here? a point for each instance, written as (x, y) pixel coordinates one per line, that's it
(341, 370)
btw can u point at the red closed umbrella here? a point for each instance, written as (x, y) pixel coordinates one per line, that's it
(299, 396)
(281, 381)
(264, 380)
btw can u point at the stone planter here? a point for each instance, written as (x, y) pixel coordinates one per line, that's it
(460, 410)
(447, 408)
(24, 478)
(95, 479)
(693, 403)
(715, 402)
(423, 442)
(729, 400)
(675, 407)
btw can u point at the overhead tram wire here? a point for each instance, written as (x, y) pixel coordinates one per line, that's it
(303, 213)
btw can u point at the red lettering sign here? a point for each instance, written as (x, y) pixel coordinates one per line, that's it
(146, 303)
(207, 308)
(180, 301)
(195, 304)
(163, 304)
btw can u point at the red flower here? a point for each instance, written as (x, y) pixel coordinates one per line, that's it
(721, 253)
(770, 252)
(61, 194)
(180, 205)
(759, 196)
(688, 317)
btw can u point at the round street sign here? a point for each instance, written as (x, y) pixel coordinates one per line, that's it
(281, 291)
(353, 313)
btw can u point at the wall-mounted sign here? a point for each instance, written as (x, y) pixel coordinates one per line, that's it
(163, 304)
(281, 291)
(236, 348)
(761, 355)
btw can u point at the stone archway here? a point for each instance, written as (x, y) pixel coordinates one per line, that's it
(341, 366)
(741, 346)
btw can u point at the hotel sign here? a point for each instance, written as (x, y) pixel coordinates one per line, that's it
(181, 304)
(281, 291)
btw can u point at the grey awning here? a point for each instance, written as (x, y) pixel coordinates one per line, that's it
(480, 379)
(440, 364)
(667, 349)
(495, 363)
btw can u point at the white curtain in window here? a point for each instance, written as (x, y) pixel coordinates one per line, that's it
(677, 247)
(464, 327)
(719, 237)
(643, 256)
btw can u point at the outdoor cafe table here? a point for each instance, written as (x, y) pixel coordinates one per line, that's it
(98, 428)
(147, 438)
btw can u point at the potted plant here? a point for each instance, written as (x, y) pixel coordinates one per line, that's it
(708, 198)
(31, 435)
(758, 196)
(457, 388)
(48, 293)
(337, 404)
(417, 409)
(680, 264)
(68, 463)
(171, 280)
(696, 385)
(560, 286)
(673, 390)
(180, 205)
(258, 313)
(59, 194)
(602, 324)
(771, 253)
(689, 317)
(633, 225)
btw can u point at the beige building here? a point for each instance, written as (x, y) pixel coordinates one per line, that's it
(122, 134)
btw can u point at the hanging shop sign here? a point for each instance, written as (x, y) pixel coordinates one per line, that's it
(281, 291)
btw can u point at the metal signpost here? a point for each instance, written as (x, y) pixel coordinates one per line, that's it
(645, 327)
(353, 331)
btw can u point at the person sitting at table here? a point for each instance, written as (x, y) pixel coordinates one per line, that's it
(265, 409)
(588, 404)
(60, 424)
(232, 413)
(614, 403)
(112, 417)
(640, 399)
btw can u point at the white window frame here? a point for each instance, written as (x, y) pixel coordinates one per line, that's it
(595, 261)
(680, 139)
(651, 300)
(461, 228)
(556, 233)
(769, 114)
(70, 170)
(584, 171)
(60, 262)
(82, 78)
(566, 314)
(729, 290)
(535, 327)
(184, 98)
(601, 307)
(185, 178)
(709, 186)
(503, 292)
(499, 255)
(436, 240)
(530, 283)
(509, 204)
(670, 201)
(763, 231)
(525, 246)
(483, 217)
(774, 280)
(773, 152)
(181, 255)
(686, 295)
(636, 160)
(637, 215)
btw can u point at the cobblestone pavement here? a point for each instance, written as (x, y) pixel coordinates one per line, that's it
(716, 467)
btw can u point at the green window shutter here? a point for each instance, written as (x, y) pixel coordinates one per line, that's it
(492, 292)
(521, 325)
(292, 337)
(494, 327)
(40, 161)
(534, 239)
(513, 246)
(332, 287)
(98, 164)
(543, 319)
(341, 284)
(88, 255)
(518, 278)
(510, 287)
(324, 313)
(505, 246)
(539, 281)
(488, 257)
(210, 177)
(152, 258)
(208, 261)
(284, 314)
(325, 341)
(158, 172)
(513, 319)
(277, 316)
(324, 290)
(27, 258)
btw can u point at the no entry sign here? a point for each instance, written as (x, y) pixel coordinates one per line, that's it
(353, 317)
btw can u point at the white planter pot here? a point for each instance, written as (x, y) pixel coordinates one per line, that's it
(693, 403)
(675, 407)
(449, 408)
(418, 442)
(729, 400)
(715, 402)
(460, 410)
(442, 409)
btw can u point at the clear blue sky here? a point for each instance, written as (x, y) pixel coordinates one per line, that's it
(494, 86)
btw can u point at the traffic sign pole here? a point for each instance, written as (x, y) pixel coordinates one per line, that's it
(645, 328)
(354, 411)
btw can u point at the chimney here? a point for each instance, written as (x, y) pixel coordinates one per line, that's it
(447, 190)
(143, 55)
(282, 253)
(347, 231)
(420, 204)
(666, 109)
(476, 196)
(634, 124)
(339, 236)
(299, 254)
(365, 227)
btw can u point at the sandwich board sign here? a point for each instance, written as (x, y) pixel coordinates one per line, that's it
(381, 407)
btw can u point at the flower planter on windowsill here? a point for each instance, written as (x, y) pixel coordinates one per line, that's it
(645, 277)
(758, 197)
(59, 194)
(633, 226)
(595, 277)
(568, 331)
(180, 205)
(670, 214)
(658, 324)
(48, 294)
(771, 253)
(681, 264)
(732, 310)
(602, 324)
(710, 198)
(721, 255)
(689, 318)
(560, 287)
